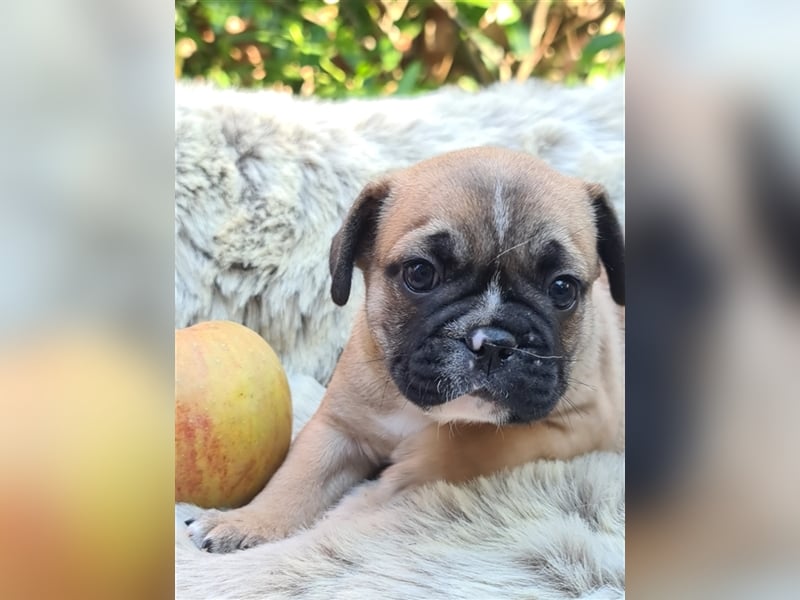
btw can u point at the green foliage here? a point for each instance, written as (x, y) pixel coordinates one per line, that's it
(336, 48)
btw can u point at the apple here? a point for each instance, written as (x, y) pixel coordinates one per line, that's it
(233, 414)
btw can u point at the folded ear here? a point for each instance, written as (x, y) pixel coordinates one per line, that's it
(354, 240)
(610, 241)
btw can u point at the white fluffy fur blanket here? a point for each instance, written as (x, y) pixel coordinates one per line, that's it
(545, 530)
(262, 183)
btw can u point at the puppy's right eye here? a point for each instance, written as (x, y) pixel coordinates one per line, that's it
(420, 276)
(564, 292)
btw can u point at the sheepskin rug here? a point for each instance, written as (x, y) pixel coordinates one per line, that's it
(545, 530)
(263, 179)
(261, 185)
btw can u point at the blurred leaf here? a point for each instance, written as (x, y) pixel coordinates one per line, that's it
(331, 68)
(408, 82)
(220, 77)
(491, 53)
(599, 43)
(519, 39)
(468, 83)
(180, 22)
(507, 13)
(479, 3)
(411, 29)
(295, 33)
(390, 59)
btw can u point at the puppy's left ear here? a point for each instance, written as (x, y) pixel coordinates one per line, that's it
(610, 241)
(355, 238)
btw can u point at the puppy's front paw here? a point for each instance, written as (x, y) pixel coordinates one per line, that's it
(225, 531)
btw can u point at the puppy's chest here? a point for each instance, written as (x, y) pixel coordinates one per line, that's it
(401, 423)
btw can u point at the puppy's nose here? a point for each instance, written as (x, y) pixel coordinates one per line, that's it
(490, 343)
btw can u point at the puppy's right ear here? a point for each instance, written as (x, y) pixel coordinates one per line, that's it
(354, 240)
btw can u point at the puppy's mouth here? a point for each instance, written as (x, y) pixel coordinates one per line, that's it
(517, 381)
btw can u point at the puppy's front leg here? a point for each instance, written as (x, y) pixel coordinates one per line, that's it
(322, 464)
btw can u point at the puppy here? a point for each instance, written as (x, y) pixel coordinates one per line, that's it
(495, 288)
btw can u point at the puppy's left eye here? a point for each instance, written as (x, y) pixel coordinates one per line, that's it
(564, 292)
(420, 276)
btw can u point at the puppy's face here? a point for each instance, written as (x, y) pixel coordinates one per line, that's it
(479, 266)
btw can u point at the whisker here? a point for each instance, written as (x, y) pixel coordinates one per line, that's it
(522, 243)
(427, 385)
(565, 416)
(571, 409)
(522, 351)
(514, 247)
(570, 381)
(499, 428)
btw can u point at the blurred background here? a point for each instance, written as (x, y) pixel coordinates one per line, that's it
(341, 48)
(713, 294)
(88, 187)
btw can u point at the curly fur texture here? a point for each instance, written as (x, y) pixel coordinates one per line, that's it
(263, 180)
(545, 530)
